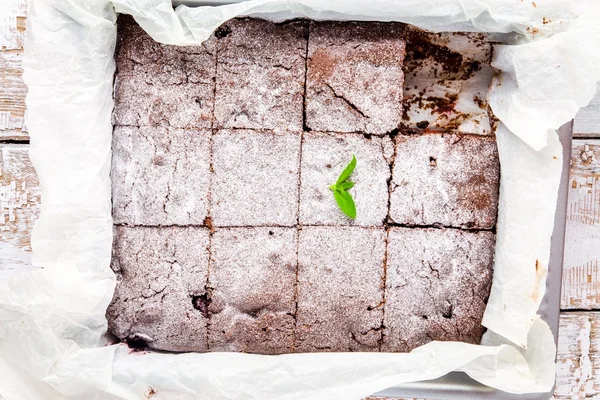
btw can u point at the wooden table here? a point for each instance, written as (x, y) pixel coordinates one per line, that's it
(578, 374)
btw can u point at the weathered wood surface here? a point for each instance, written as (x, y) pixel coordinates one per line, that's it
(19, 205)
(578, 375)
(12, 87)
(581, 273)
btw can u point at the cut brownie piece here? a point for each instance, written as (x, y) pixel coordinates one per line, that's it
(159, 84)
(253, 279)
(321, 168)
(255, 178)
(159, 271)
(340, 289)
(260, 75)
(354, 78)
(437, 285)
(160, 176)
(445, 179)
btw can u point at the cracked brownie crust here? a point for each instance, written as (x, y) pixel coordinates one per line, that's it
(252, 284)
(227, 237)
(340, 289)
(437, 285)
(158, 271)
(354, 77)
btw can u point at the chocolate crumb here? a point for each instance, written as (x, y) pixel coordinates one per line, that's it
(422, 124)
(201, 303)
(209, 223)
(222, 31)
(136, 343)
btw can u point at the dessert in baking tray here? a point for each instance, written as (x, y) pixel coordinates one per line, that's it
(238, 226)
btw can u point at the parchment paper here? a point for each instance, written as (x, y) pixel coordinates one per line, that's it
(52, 319)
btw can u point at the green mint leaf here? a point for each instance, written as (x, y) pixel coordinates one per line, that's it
(345, 202)
(340, 190)
(347, 171)
(346, 185)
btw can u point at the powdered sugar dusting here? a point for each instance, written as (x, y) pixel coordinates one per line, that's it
(445, 179)
(354, 78)
(253, 277)
(438, 281)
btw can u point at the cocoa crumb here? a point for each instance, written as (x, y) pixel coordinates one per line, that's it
(151, 392)
(422, 124)
(201, 303)
(222, 31)
(208, 222)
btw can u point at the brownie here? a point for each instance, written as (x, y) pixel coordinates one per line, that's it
(340, 289)
(354, 78)
(160, 175)
(260, 75)
(253, 283)
(159, 84)
(437, 285)
(160, 272)
(227, 235)
(322, 168)
(255, 178)
(445, 179)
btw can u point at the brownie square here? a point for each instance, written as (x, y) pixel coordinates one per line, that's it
(260, 75)
(437, 285)
(445, 179)
(322, 168)
(255, 179)
(159, 84)
(159, 272)
(340, 289)
(354, 78)
(160, 176)
(253, 279)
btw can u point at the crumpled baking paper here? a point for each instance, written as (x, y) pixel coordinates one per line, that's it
(52, 318)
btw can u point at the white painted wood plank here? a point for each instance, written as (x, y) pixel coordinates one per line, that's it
(578, 373)
(19, 205)
(12, 24)
(581, 271)
(12, 87)
(12, 96)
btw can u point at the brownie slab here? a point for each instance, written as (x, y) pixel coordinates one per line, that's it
(445, 179)
(252, 280)
(354, 77)
(321, 168)
(255, 180)
(260, 75)
(159, 84)
(340, 289)
(228, 237)
(160, 175)
(159, 273)
(437, 285)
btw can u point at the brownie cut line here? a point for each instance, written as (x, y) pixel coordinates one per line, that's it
(226, 235)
